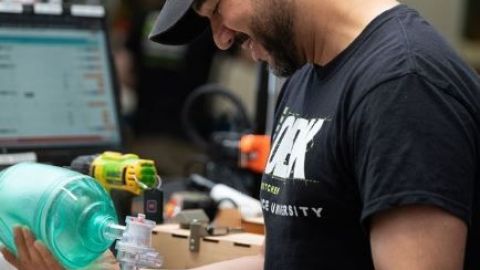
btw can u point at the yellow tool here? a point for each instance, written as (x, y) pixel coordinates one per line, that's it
(119, 171)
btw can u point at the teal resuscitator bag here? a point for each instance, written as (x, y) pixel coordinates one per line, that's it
(69, 212)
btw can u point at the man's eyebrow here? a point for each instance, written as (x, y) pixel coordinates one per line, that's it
(197, 4)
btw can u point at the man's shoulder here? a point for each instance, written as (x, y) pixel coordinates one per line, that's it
(407, 44)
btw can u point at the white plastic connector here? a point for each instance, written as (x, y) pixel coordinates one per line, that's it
(134, 248)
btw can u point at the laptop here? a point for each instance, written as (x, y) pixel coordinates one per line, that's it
(58, 90)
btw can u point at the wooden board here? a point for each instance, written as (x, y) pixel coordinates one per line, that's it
(172, 243)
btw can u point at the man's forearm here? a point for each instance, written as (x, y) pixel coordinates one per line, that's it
(244, 263)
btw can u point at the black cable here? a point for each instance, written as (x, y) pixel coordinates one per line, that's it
(210, 90)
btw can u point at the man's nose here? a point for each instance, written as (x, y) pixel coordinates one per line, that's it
(223, 36)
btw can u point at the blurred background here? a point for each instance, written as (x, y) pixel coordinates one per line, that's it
(155, 79)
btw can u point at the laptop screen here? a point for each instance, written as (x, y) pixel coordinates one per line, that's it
(57, 88)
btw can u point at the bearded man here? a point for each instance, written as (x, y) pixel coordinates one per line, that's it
(375, 154)
(376, 148)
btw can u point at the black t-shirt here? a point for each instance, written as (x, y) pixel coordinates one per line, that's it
(393, 120)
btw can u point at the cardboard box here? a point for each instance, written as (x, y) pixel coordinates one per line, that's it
(172, 243)
(254, 225)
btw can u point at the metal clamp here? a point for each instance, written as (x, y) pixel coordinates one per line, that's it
(197, 232)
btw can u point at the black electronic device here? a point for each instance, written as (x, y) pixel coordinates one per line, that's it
(153, 205)
(58, 91)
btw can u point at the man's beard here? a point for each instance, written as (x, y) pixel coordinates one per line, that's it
(273, 28)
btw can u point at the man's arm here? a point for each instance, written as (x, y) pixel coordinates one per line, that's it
(417, 238)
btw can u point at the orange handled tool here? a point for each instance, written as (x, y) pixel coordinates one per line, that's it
(254, 152)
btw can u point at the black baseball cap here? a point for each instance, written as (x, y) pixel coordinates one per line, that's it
(177, 23)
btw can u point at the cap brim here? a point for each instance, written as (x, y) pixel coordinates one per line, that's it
(177, 23)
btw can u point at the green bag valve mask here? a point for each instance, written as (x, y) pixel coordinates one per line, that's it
(69, 212)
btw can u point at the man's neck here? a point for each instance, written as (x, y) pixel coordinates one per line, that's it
(327, 27)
